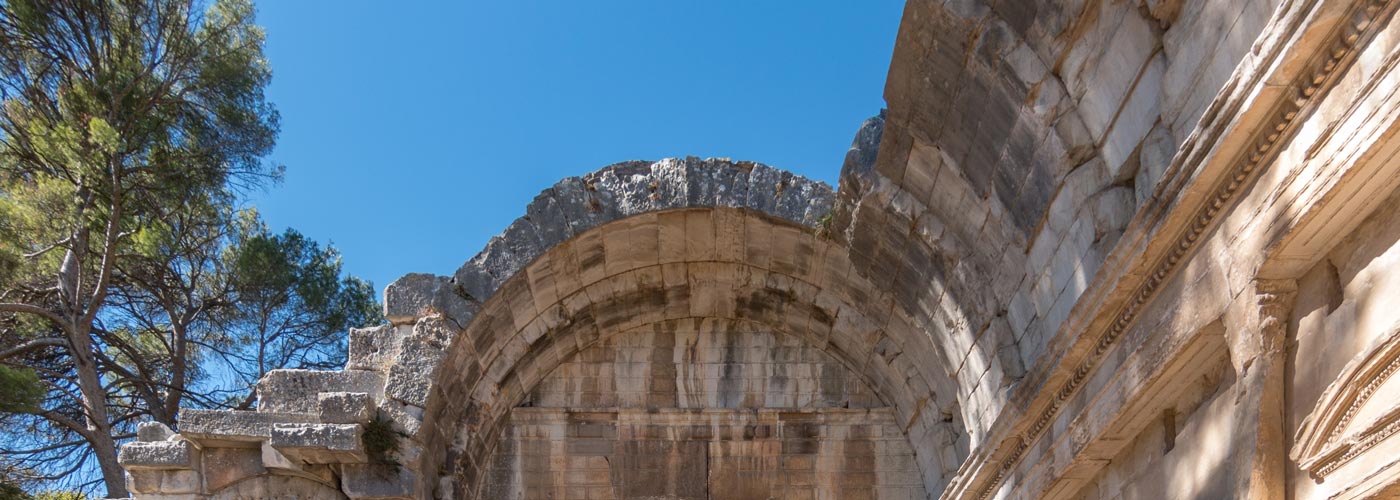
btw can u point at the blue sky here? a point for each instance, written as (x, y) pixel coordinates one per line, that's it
(413, 131)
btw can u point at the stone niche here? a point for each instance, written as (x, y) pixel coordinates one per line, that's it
(707, 410)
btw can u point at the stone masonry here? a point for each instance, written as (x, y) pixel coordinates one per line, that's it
(1099, 249)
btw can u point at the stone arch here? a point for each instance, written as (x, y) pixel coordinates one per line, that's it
(921, 334)
(754, 268)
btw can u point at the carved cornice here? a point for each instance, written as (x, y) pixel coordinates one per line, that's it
(1310, 83)
(1323, 443)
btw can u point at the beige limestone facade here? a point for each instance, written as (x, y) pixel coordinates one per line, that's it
(1094, 249)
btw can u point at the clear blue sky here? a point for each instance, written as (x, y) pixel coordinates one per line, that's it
(414, 131)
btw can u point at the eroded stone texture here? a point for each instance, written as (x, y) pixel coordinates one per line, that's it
(296, 391)
(687, 454)
(278, 487)
(1095, 249)
(723, 366)
(158, 455)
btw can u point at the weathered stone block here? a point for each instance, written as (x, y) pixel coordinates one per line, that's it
(374, 348)
(273, 459)
(295, 391)
(179, 481)
(153, 431)
(320, 443)
(225, 466)
(345, 407)
(378, 481)
(143, 482)
(280, 486)
(406, 419)
(157, 455)
(410, 296)
(412, 377)
(224, 426)
(416, 295)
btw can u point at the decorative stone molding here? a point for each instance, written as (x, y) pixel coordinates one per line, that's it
(1329, 437)
(1320, 73)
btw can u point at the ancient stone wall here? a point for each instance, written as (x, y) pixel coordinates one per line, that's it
(702, 454)
(702, 409)
(704, 364)
(1103, 249)
(1342, 324)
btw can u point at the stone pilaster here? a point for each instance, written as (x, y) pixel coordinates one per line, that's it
(1260, 338)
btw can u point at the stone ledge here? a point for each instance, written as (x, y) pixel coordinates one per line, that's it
(320, 443)
(295, 391)
(345, 407)
(229, 426)
(157, 455)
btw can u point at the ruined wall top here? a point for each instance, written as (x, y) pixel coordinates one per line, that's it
(575, 204)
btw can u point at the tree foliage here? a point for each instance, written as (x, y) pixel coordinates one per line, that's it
(128, 130)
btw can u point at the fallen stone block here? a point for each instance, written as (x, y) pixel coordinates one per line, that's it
(320, 443)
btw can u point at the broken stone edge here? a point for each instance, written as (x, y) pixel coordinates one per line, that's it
(576, 204)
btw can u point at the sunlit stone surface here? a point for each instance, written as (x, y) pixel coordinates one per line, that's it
(1102, 249)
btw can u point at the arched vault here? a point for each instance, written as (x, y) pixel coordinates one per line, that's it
(638, 244)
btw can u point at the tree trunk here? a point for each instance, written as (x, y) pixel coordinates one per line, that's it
(95, 408)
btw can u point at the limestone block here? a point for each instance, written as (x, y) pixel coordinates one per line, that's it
(143, 481)
(225, 466)
(1156, 155)
(273, 459)
(374, 348)
(295, 391)
(378, 481)
(416, 295)
(345, 407)
(1137, 117)
(279, 486)
(410, 296)
(224, 426)
(1112, 209)
(412, 376)
(157, 455)
(153, 431)
(179, 481)
(407, 419)
(319, 443)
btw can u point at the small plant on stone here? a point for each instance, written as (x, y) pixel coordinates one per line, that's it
(381, 441)
(824, 226)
